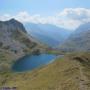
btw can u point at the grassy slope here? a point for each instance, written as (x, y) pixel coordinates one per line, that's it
(6, 59)
(63, 74)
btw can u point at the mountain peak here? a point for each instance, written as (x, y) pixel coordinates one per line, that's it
(13, 19)
(13, 24)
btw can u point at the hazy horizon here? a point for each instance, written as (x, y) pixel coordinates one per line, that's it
(66, 13)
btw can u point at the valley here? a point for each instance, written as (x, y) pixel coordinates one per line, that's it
(45, 45)
(43, 65)
(48, 34)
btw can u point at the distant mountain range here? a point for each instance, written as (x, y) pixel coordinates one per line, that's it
(79, 40)
(15, 38)
(48, 34)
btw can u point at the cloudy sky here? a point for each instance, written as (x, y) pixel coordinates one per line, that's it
(63, 13)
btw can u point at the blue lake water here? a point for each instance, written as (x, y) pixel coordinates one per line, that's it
(32, 62)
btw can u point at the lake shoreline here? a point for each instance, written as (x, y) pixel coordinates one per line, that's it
(43, 59)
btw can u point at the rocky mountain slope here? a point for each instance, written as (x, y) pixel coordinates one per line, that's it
(79, 40)
(15, 42)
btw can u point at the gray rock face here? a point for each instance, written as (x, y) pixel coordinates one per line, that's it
(11, 25)
(15, 43)
(13, 37)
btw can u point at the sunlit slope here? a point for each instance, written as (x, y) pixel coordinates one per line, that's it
(69, 73)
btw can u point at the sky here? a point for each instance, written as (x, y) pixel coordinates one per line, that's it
(63, 13)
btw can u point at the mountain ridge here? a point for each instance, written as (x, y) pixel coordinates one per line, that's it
(79, 40)
(15, 42)
(47, 33)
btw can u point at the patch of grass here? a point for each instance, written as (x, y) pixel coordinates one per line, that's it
(57, 52)
(6, 60)
(63, 74)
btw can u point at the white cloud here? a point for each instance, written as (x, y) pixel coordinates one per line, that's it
(77, 13)
(68, 18)
(73, 17)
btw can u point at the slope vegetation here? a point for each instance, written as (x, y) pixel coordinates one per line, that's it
(72, 72)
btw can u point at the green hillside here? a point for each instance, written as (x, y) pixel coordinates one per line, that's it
(72, 72)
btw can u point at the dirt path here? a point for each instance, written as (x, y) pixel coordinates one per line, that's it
(83, 78)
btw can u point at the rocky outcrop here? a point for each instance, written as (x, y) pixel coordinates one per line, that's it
(15, 41)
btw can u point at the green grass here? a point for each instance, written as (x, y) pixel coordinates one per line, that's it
(6, 59)
(63, 74)
(57, 52)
